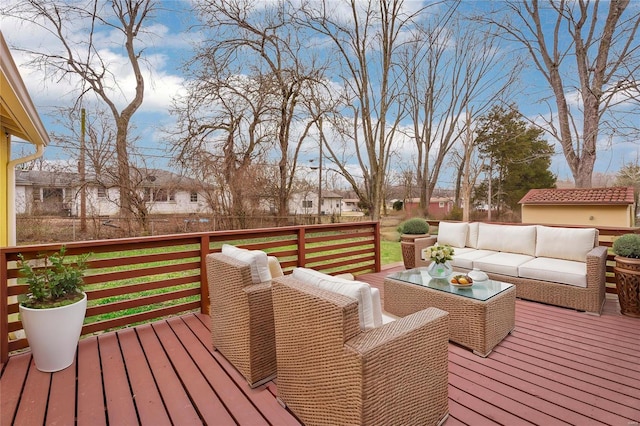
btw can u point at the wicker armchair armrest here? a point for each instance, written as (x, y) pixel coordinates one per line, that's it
(423, 243)
(597, 267)
(431, 323)
(406, 357)
(259, 299)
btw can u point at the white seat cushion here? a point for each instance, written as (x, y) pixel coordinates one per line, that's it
(465, 259)
(256, 259)
(555, 270)
(369, 315)
(453, 234)
(565, 243)
(502, 263)
(507, 238)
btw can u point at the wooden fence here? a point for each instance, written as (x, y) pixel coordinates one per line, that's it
(139, 279)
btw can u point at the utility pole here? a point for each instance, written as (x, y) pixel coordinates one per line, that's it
(83, 177)
(490, 195)
(320, 182)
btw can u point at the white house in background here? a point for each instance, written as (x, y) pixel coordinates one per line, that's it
(58, 193)
(350, 205)
(307, 203)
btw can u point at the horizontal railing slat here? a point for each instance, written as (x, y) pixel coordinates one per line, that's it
(137, 288)
(140, 301)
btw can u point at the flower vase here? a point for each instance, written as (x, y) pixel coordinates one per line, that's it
(440, 270)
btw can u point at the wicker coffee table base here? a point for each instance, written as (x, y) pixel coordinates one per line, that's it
(477, 325)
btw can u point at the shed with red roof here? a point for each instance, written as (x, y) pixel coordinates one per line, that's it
(613, 206)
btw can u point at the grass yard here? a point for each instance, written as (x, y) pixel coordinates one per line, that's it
(390, 252)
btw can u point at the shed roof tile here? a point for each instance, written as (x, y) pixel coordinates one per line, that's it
(611, 195)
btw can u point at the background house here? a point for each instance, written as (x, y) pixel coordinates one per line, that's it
(306, 202)
(56, 193)
(439, 207)
(350, 205)
(613, 206)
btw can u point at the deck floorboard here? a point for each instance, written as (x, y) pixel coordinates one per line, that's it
(557, 367)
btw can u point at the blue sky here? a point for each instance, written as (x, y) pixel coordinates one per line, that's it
(168, 48)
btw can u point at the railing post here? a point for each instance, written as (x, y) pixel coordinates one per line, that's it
(302, 247)
(204, 282)
(376, 239)
(4, 311)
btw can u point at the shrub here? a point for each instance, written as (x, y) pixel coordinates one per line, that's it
(455, 214)
(628, 245)
(414, 225)
(55, 284)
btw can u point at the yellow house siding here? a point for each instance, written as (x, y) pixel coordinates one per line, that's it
(18, 117)
(4, 210)
(589, 215)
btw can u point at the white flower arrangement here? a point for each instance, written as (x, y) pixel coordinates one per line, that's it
(438, 253)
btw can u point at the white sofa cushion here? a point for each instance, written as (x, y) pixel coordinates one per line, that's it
(256, 259)
(465, 257)
(555, 270)
(368, 315)
(453, 234)
(502, 263)
(507, 238)
(472, 235)
(565, 243)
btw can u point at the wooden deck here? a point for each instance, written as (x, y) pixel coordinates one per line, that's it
(557, 367)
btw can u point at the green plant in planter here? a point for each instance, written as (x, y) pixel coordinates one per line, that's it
(414, 226)
(628, 245)
(56, 283)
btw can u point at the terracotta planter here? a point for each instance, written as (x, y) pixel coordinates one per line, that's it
(407, 242)
(53, 334)
(627, 272)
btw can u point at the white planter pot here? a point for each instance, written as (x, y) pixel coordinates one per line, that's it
(53, 334)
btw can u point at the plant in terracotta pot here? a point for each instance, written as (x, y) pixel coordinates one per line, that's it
(627, 272)
(53, 310)
(410, 230)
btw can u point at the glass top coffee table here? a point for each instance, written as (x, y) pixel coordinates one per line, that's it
(480, 315)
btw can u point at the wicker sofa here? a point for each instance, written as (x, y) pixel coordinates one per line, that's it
(555, 265)
(331, 371)
(242, 312)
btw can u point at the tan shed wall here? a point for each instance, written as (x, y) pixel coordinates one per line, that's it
(589, 215)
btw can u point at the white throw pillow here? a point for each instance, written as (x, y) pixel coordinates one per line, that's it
(369, 316)
(453, 234)
(565, 243)
(256, 259)
(472, 235)
(508, 238)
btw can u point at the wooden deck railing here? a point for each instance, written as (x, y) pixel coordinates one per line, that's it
(138, 279)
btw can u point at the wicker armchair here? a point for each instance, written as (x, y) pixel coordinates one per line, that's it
(241, 318)
(331, 372)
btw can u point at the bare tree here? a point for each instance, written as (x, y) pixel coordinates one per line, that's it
(223, 128)
(99, 141)
(453, 69)
(82, 58)
(275, 60)
(599, 66)
(471, 166)
(365, 36)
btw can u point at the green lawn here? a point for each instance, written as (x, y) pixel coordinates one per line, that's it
(390, 252)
